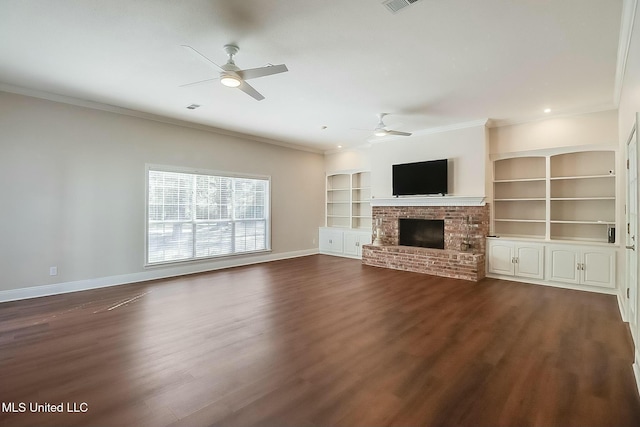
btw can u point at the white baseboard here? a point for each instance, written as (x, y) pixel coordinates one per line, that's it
(150, 274)
(636, 369)
(622, 307)
(586, 288)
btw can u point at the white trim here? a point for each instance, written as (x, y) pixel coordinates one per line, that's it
(622, 306)
(4, 87)
(497, 123)
(624, 41)
(431, 201)
(636, 369)
(151, 274)
(585, 288)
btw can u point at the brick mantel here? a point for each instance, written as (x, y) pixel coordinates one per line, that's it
(462, 224)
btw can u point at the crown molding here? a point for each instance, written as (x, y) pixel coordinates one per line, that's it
(495, 123)
(626, 32)
(63, 99)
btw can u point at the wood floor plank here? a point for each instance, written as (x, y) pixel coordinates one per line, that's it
(319, 341)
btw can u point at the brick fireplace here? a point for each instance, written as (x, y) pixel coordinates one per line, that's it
(463, 256)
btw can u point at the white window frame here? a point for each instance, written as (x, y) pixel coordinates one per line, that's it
(225, 174)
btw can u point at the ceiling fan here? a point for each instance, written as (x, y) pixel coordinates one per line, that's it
(232, 76)
(381, 128)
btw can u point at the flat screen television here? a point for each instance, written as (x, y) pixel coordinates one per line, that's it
(420, 178)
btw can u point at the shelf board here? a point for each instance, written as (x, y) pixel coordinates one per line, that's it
(346, 202)
(338, 216)
(521, 236)
(361, 201)
(560, 221)
(519, 220)
(361, 188)
(338, 189)
(497, 181)
(362, 216)
(582, 198)
(554, 178)
(531, 199)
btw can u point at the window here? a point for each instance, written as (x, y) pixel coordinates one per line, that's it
(198, 215)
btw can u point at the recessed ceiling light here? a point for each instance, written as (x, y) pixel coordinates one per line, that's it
(339, 146)
(547, 110)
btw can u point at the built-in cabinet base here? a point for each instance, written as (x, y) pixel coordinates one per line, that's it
(343, 242)
(570, 265)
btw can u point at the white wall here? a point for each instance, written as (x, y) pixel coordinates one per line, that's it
(465, 148)
(73, 189)
(600, 128)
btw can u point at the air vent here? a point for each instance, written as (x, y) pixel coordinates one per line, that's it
(396, 5)
(193, 106)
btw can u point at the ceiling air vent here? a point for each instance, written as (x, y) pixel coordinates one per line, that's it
(396, 5)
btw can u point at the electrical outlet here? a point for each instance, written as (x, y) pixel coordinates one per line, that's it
(53, 271)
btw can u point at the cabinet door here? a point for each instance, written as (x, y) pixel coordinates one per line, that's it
(563, 264)
(599, 268)
(529, 261)
(501, 258)
(330, 241)
(352, 244)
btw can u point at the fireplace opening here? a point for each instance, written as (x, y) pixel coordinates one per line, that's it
(425, 233)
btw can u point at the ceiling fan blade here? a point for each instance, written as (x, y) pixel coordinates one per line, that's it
(198, 82)
(199, 55)
(397, 132)
(253, 73)
(249, 90)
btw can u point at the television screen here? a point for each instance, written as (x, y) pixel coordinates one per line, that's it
(421, 178)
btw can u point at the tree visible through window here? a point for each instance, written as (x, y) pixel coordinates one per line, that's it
(193, 216)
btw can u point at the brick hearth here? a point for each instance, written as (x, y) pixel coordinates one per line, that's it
(461, 224)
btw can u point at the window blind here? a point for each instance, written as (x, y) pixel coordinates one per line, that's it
(196, 215)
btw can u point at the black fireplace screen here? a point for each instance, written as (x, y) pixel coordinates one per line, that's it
(425, 233)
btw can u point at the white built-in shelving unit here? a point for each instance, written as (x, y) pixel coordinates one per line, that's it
(348, 214)
(567, 196)
(348, 200)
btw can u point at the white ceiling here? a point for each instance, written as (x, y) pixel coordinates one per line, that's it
(435, 63)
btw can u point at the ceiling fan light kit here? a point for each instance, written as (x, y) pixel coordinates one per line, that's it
(229, 80)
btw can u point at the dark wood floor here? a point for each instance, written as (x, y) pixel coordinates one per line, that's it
(319, 341)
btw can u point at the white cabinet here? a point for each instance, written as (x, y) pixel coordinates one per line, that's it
(348, 243)
(331, 241)
(584, 265)
(587, 267)
(519, 259)
(353, 242)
